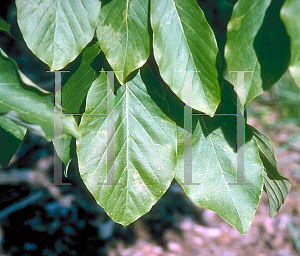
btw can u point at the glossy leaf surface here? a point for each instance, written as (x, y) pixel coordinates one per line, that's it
(183, 41)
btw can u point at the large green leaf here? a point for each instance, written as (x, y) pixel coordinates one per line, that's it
(257, 41)
(183, 41)
(11, 136)
(290, 16)
(28, 105)
(145, 146)
(214, 161)
(276, 185)
(57, 30)
(122, 31)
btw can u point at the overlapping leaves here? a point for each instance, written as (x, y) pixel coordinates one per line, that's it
(144, 132)
(28, 105)
(75, 89)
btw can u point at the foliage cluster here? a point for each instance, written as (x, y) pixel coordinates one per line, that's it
(169, 57)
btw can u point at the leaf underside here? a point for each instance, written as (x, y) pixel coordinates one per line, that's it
(276, 185)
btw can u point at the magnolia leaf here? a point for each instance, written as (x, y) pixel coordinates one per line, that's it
(56, 31)
(144, 141)
(183, 41)
(276, 185)
(212, 149)
(122, 31)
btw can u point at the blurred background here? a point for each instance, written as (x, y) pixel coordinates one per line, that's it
(38, 218)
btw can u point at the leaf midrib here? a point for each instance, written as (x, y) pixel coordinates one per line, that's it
(189, 50)
(212, 144)
(24, 112)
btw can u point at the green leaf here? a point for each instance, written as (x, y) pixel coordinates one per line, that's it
(214, 161)
(66, 152)
(77, 86)
(75, 90)
(145, 146)
(27, 105)
(257, 41)
(5, 26)
(11, 135)
(122, 31)
(13, 128)
(276, 185)
(183, 41)
(57, 30)
(290, 17)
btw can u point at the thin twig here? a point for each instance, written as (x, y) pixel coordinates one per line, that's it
(16, 176)
(22, 204)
